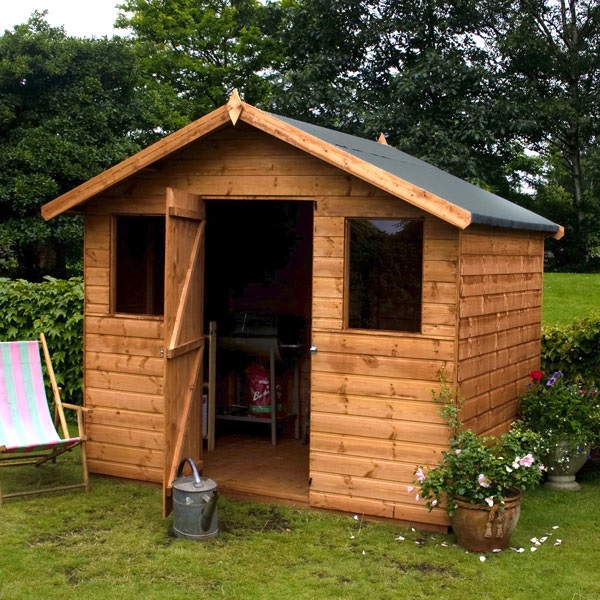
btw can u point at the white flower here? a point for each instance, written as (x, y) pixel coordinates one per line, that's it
(482, 558)
(400, 538)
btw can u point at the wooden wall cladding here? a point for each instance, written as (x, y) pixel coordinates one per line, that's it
(500, 321)
(372, 416)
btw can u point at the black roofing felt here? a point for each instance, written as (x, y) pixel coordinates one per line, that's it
(485, 208)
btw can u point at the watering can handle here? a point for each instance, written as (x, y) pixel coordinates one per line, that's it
(197, 480)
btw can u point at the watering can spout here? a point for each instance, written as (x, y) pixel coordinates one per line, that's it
(209, 511)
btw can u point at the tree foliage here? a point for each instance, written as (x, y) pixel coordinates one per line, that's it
(195, 52)
(69, 108)
(548, 56)
(503, 93)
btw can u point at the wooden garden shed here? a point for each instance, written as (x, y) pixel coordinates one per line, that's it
(366, 269)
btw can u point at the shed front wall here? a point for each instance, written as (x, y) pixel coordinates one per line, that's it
(372, 418)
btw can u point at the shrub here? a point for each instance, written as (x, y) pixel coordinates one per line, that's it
(573, 349)
(53, 307)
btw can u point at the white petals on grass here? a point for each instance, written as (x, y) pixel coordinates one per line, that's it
(482, 558)
(400, 538)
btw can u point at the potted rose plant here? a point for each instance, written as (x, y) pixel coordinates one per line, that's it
(480, 479)
(566, 415)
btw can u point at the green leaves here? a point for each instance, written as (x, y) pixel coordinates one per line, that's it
(55, 308)
(573, 349)
(558, 408)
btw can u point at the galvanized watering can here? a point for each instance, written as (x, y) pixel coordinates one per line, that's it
(194, 505)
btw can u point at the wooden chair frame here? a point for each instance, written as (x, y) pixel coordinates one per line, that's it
(16, 457)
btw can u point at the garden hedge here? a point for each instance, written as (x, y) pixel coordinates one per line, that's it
(573, 349)
(53, 307)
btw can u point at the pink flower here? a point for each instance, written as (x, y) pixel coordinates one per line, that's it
(420, 475)
(527, 461)
(410, 488)
(490, 501)
(457, 451)
(417, 497)
(483, 481)
(434, 502)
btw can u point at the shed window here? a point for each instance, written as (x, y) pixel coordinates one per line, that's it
(139, 265)
(385, 274)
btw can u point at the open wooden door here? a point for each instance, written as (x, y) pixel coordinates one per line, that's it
(184, 340)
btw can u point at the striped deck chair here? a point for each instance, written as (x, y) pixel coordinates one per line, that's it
(28, 434)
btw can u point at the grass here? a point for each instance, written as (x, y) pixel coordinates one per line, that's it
(568, 296)
(112, 541)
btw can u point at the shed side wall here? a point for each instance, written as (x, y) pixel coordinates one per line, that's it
(501, 280)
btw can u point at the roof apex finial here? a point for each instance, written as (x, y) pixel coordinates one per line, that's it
(381, 139)
(235, 106)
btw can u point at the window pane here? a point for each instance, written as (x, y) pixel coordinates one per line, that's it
(140, 263)
(386, 274)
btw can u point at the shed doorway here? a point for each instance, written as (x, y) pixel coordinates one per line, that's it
(258, 292)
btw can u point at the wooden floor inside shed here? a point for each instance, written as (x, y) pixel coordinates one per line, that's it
(250, 467)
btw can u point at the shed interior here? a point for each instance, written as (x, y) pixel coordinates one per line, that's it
(258, 278)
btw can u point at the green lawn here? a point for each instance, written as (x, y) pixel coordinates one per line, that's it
(569, 295)
(113, 543)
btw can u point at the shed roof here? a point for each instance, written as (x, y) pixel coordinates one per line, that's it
(415, 181)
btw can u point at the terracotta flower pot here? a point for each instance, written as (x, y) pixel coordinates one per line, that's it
(481, 528)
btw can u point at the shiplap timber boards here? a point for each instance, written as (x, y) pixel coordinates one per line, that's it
(375, 387)
(386, 449)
